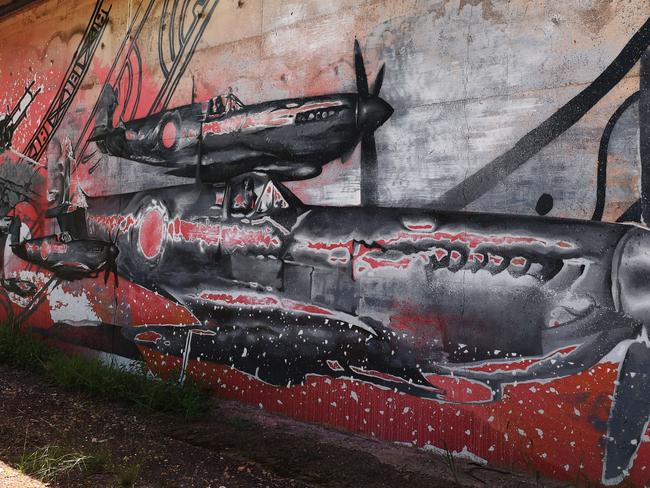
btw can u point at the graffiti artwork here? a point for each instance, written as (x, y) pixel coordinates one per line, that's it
(182, 234)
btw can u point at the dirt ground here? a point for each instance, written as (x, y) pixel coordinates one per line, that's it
(232, 446)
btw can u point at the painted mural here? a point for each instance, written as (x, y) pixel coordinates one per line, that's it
(420, 221)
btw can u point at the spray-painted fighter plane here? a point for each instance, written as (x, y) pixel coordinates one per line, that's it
(70, 254)
(291, 139)
(68, 258)
(283, 290)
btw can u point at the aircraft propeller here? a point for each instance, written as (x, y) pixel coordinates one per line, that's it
(629, 412)
(372, 112)
(111, 263)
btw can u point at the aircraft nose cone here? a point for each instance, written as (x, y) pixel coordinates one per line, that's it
(373, 112)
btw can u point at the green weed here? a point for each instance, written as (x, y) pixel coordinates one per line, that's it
(135, 387)
(128, 475)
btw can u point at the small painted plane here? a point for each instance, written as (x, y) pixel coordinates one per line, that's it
(288, 139)
(70, 254)
(66, 257)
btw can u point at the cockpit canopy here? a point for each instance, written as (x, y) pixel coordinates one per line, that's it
(223, 104)
(257, 193)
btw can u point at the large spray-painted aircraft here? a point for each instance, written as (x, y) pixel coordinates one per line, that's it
(282, 290)
(290, 139)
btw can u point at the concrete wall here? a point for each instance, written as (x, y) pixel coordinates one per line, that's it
(433, 290)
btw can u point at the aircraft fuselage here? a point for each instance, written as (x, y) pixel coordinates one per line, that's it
(291, 138)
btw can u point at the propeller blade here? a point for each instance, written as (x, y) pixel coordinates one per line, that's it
(106, 273)
(368, 170)
(345, 157)
(117, 280)
(630, 412)
(360, 69)
(378, 81)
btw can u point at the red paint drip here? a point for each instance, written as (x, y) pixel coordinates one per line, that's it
(239, 299)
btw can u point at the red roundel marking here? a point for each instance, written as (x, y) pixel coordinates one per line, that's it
(152, 234)
(169, 134)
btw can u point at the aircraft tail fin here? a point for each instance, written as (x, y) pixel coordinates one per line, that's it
(74, 223)
(105, 110)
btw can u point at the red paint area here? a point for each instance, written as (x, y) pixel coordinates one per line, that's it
(148, 336)
(106, 225)
(366, 258)
(228, 236)
(261, 120)
(552, 427)
(429, 239)
(494, 259)
(478, 257)
(520, 364)
(302, 307)
(419, 227)
(472, 241)
(518, 261)
(46, 248)
(461, 390)
(152, 233)
(248, 300)
(140, 306)
(257, 300)
(334, 365)
(440, 254)
(377, 263)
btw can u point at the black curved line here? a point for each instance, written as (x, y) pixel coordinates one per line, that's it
(190, 53)
(129, 88)
(530, 144)
(136, 51)
(172, 28)
(161, 56)
(95, 165)
(169, 85)
(184, 35)
(644, 134)
(108, 76)
(89, 43)
(603, 150)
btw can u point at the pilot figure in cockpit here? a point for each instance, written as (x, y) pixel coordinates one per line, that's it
(244, 199)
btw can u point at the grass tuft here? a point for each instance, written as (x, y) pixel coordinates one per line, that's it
(21, 350)
(135, 387)
(128, 475)
(50, 462)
